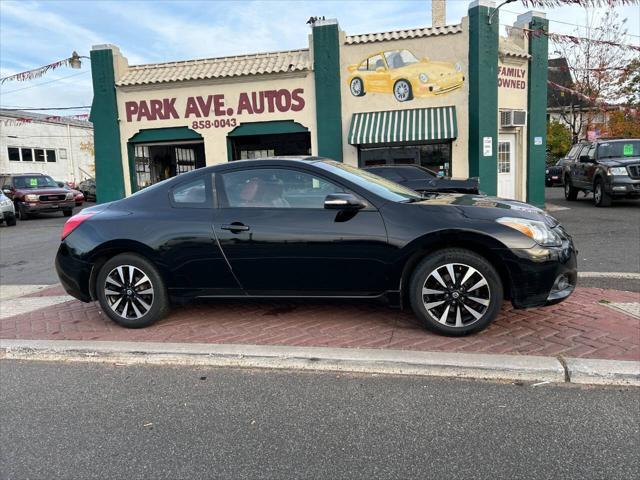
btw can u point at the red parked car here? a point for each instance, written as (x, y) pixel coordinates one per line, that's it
(78, 195)
(35, 193)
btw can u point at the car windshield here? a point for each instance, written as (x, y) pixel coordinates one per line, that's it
(35, 181)
(400, 58)
(380, 186)
(619, 149)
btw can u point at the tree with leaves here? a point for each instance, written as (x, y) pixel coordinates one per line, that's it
(559, 141)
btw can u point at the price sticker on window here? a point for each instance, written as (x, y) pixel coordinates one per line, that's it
(627, 150)
(33, 182)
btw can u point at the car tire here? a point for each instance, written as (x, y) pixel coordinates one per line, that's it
(127, 306)
(67, 212)
(600, 197)
(467, 302)
(402, 91)
(11, 221)
(356, 87)
(570, 193)
(548, 183)
(21, 214)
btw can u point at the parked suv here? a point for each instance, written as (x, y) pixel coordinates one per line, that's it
(34, 193)
(608, 168)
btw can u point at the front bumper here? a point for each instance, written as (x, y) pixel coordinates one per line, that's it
(622, 186)
(542, 275)
(36, 207)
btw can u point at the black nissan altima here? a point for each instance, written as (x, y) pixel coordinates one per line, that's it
(315, 228)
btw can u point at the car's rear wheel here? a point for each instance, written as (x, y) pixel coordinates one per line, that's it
(357, 87)
(600, 197)
(131, 291)
(455, 292)
(570, 193)
(402, 91)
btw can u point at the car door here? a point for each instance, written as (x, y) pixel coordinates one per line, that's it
(187, 242)
(579, 167)
(280, 240)
(378, 79)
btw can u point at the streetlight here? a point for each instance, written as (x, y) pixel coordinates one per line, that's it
(498, 8)
(74, 60)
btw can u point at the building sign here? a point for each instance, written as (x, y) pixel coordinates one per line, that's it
(216, 111)
(512, 77)
(487, 146)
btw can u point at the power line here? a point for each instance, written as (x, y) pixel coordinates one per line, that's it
(43, 83)
(15, 109)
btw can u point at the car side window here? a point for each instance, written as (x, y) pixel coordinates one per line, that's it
(591, 152)
(573, 153)
(195, 193)
(276, 188)
(376, 62)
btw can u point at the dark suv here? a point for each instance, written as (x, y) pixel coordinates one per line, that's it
(608, 168)
(34, 193)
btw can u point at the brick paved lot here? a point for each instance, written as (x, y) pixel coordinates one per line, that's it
(583, 326)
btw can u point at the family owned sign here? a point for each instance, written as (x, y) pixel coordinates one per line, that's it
(216, 107)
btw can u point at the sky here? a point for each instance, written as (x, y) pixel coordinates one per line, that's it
(36, 33)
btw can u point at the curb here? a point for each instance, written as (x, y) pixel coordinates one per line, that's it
(398, 362)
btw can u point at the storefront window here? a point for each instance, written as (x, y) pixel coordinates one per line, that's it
(143, 170)
(185, 160)
(434, 156)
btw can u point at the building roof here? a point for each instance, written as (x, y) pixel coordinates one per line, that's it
(403, 34)
(558, 74)
(20, 115)
(508, 47)
(223, 67)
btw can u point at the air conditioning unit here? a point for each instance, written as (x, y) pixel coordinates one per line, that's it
(513, 118)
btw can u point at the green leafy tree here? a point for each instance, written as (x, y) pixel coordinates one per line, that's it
(558, 141)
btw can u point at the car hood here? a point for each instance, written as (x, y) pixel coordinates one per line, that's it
(430, 68)
(487, 208)
(42, 191)
(619, 162)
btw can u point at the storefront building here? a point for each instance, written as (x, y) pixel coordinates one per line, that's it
(459, 99)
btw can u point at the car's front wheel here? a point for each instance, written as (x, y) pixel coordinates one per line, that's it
(20, 213)
(131, 291)
(402, 91)
(570, 193)
(67, 212)
(455, 292)
(600, 197)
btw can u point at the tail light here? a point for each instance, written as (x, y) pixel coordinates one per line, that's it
(73, 223)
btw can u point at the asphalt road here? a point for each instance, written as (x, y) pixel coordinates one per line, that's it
(27, 251)
(103, 421)
(607, 239)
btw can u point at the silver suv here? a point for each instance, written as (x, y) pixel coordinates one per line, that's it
(7, 210)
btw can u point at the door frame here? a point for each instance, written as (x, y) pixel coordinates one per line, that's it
(512, 139)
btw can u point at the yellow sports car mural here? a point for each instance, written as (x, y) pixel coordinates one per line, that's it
(401, 73)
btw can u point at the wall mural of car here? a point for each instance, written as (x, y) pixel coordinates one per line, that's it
(401, 73)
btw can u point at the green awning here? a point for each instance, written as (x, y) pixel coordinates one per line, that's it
(401, 126)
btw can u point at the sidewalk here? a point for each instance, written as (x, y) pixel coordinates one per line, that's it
(593, 323)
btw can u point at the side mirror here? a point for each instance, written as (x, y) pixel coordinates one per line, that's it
(343, 201)
(585, 159)
(380, 69)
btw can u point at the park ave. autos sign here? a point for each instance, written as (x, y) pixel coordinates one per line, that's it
(215, 110)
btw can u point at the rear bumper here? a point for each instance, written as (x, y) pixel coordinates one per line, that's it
(74, 274)
(542, 276)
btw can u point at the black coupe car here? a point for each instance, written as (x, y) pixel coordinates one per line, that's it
(312, 227)
(423, 180)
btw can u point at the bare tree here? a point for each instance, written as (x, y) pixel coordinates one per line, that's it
(595, 64)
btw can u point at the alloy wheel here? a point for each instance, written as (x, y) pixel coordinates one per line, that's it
(401, 90)
(356, 87)
(456, 295)
(129, 292)
(597, 194)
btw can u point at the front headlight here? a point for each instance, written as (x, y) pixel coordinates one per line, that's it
(69, 196)
(617, 171)
(31, 198)
(546, 171)
(424, 78)
(538, 231)
(458, 67)
(5, 203)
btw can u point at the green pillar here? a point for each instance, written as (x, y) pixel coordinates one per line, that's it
(537, 106)
(106, 132)
(483, 94)
(326, 71)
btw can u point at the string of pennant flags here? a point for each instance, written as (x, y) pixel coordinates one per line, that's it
(53, 118)
(580, 3)
(560, 38)
(36, 72)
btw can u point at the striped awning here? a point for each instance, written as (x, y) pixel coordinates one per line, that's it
(400, 126)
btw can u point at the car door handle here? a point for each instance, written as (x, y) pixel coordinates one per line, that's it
(236, 227)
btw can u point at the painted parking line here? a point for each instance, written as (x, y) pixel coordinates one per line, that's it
(621, 275)
(632, 308)
(8, 292)
(19, 306)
